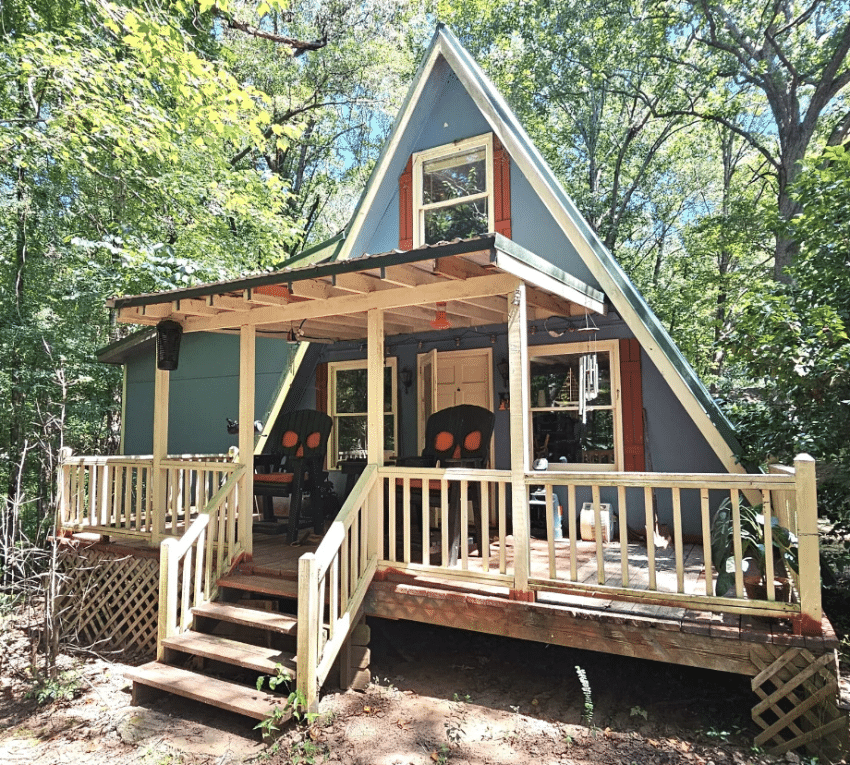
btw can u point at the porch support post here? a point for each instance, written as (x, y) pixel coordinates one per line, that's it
(160, 452)
(375, 420)
(520, 448)
(811, 612)
(247, 376)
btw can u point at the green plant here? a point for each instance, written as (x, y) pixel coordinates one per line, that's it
(63, 687)
(753, 552)
(587, 713)
(637, 711)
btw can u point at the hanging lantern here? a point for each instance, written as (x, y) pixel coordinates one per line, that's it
(168, 334)
(440, 320)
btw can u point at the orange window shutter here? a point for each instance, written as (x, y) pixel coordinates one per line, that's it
(501, 188)
(322, 388)
(630, 382)
(405, 207)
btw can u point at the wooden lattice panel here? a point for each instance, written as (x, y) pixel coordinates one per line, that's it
(798, 705)
(108, 601)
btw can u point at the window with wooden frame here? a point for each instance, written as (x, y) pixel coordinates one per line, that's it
(575, 396)
(458, 190)
(347, 404)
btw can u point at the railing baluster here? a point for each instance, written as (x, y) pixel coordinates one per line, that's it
(355, 555)
(706, 541)
(677, 539)
(623, 516)
(464, 525)
(649, 512)
(333, 609)
(344, 571)
(768, 546)
(550, 532)
(392, 518)
(405, 518)
(484, 515)
(425, 519)
(736, 542)
(444, 522)
(571, 524)
(503, 528)
(597, 528)
(185, 587)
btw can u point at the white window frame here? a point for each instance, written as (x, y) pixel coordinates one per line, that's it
(612, 347)
(440, 152)
(336, 366)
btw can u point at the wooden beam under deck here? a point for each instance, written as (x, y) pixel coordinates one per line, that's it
(726, 647)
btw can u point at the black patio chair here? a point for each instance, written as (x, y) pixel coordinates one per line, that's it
(295, 467)
(458, 436)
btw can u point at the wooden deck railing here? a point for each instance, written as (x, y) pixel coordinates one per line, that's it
(116, 496)
(338, 573)
(189, 566)
(444, 488)
(788, 495)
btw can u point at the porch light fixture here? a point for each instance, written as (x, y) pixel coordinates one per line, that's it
(503, 368)
(440, 320)
(168, 334)
(406, 378)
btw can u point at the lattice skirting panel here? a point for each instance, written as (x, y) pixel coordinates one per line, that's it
(108, 600)
(798, 705)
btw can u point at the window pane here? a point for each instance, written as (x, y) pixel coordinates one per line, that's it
(562, 437)
(555, 379)
(351, 390)
(453, 177)
(461, 220)
(351, 437)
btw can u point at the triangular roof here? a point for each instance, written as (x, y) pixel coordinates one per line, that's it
(621, 292)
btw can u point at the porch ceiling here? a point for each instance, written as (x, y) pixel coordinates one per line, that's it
(474, 277)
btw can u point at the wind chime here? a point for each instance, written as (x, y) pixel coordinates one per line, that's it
(588, 376)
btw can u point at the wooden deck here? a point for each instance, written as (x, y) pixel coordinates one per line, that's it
(274, 557)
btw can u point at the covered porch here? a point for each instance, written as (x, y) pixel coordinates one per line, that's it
(388, 554)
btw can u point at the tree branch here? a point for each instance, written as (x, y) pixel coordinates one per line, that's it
(300, 46)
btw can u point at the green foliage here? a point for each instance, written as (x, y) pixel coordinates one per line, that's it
(587, 712)
(752, 544)
(792, 342)
(48, 689)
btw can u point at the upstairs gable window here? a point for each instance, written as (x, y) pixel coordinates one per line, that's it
(453, 191)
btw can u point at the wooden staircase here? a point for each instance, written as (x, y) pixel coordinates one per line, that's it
(233, 641)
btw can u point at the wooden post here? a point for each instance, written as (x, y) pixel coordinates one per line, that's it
(308, 630)
(247, 376)
(811, 613)
(160, 452)
(63, 480)
(520, 447)
(167, 623)
(375, 423)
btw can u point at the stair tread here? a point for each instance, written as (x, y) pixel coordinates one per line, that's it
(208, 690)
(264, 585)
(247, 616)
(258, 658)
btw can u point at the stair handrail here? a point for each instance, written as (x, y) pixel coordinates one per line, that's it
(343, 564)
(197, 586)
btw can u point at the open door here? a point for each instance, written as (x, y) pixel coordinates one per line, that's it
(427, 374)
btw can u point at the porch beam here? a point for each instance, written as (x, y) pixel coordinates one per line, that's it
(160, 449)
(520, 447)
(549, 283)
(247, 383)
(554, 305)
(482, 286)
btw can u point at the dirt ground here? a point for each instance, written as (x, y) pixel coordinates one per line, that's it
(438, 696)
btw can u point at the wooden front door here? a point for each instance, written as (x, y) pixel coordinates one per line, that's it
(451, 378)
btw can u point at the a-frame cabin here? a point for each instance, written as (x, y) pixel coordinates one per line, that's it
(488, 289)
